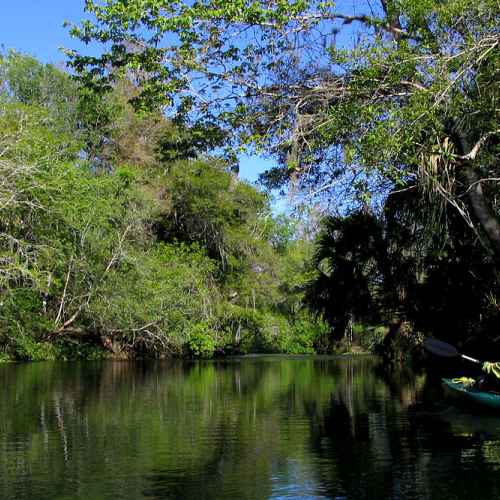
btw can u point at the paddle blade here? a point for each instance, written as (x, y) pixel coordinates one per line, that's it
(440, 348)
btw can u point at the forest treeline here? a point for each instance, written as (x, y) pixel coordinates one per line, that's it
(120, 233)
(383, 112)
(132, 229)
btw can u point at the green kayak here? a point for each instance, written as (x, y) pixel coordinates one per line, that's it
(477, 397)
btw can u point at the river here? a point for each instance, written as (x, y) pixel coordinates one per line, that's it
(254, 427)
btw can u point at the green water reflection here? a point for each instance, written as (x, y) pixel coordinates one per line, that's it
(259, 427)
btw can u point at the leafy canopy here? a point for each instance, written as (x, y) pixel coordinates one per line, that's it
(353, 102)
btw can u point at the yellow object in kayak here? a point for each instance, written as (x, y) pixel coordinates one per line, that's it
(492, 369)
(466, 382)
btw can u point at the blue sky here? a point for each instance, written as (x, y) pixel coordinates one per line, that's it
(36, 27)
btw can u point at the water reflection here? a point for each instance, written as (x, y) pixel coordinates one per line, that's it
(257, 427)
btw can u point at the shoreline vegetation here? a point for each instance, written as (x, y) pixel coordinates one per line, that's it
(125, 229)
(121, 236)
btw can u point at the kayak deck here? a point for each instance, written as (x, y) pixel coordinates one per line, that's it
(472, 395)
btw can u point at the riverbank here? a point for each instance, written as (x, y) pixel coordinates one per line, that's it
(62, 350)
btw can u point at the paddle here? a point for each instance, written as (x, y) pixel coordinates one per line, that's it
(440, 348)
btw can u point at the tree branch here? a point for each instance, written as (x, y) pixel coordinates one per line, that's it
(471, 155)
(61, 306)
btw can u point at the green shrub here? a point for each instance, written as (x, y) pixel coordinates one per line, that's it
(69, 350)
(304, 336)
(4, 358)
(273, 330)
(201, 343)
(371, 337)
(27, 348)
(238, 327)
(23, 326)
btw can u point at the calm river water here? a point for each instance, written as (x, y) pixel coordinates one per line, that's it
(257, 427)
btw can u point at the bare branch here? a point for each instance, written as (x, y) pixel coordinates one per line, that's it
(61, 306)
(471, 155)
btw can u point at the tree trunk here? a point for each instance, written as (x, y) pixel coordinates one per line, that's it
(488, 221)
(481, 210)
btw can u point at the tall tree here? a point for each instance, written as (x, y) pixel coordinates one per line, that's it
(350, 99)
(377, 93)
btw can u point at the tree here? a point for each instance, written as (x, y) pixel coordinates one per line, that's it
(412, 95)
(394, 270)
(351, 252)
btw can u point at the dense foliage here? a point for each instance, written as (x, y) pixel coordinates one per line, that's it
(385, 114)
(356, 102)
(390, 280)
(116, 237)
